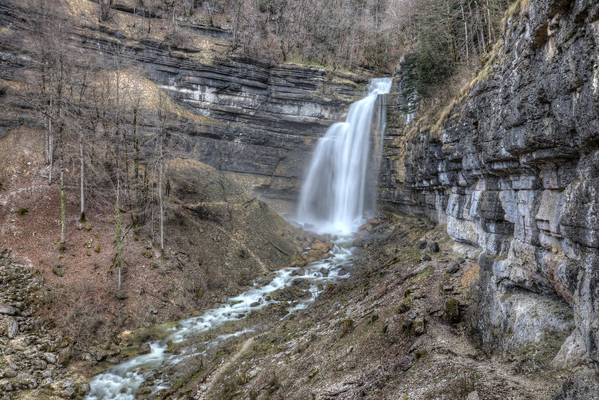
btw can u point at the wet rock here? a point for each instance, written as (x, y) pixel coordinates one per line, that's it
(243, 253)
(405, 362)
(405, 305)
(413, 324)
(418, 326)
(12, 328)
(121, 295)
(453, 268)
(8, 310)
(473, 396)
(433, 247)
(50, 358)
(448, 288)
(39, 364)
(9, 373)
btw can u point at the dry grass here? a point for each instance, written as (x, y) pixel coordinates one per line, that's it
(482, 75)
(463, 82)
(134, 88)
(470, 277)
(136, 27)
(14, 86)
(84, 10)
(517, 8)
(450, 95)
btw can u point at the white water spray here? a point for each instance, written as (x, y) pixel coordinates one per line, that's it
(340, 188)
(123, 381)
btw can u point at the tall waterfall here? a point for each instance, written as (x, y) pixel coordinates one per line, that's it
(339, 192)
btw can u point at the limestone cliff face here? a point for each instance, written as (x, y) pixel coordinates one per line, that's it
(514, 174)
(267, 118)
(250, 118)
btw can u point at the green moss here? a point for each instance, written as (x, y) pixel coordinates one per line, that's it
(422, 275)
(452, 310)
(58, 270)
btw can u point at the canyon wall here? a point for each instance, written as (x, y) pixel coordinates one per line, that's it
(513, 173)
(254, 120)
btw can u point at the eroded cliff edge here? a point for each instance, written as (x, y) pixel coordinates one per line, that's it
(249, 118)
(513, 172)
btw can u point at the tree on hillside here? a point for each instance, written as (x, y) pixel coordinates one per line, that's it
(105, 6)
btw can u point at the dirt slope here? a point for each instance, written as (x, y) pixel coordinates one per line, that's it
(398, 328)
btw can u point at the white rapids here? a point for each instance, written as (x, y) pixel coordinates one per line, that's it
(339, 191)
(122, 381)
(338, 194)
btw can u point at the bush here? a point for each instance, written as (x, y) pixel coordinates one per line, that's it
(346, 326)
(432, 63)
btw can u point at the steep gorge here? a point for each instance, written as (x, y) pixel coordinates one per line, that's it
(240, 115)
(512, 170)
(511, 173)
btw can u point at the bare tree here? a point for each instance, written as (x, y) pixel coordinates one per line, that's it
(105, 6)
(162, 117)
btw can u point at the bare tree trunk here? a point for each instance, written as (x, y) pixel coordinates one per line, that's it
(118, 236)
(63, 206)
(82, 180)
(50, 147)
(465, 32)
(236, 24)
(105, 9)
(489, 24)
(473, 30)
(161, 194)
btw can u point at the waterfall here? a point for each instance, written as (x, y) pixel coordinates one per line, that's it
(339, 191)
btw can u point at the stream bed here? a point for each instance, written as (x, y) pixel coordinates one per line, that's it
(123, 381)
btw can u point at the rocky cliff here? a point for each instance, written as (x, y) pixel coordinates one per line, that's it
(513, 173)
(244, 116)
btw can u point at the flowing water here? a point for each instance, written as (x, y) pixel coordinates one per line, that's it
(122, 381)
(336, 198)
(340, 186)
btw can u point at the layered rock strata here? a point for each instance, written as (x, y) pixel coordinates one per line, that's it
(513, 172)
(248, 117)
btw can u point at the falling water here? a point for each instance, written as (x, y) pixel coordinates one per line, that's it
(340, 188)
(335, 199)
